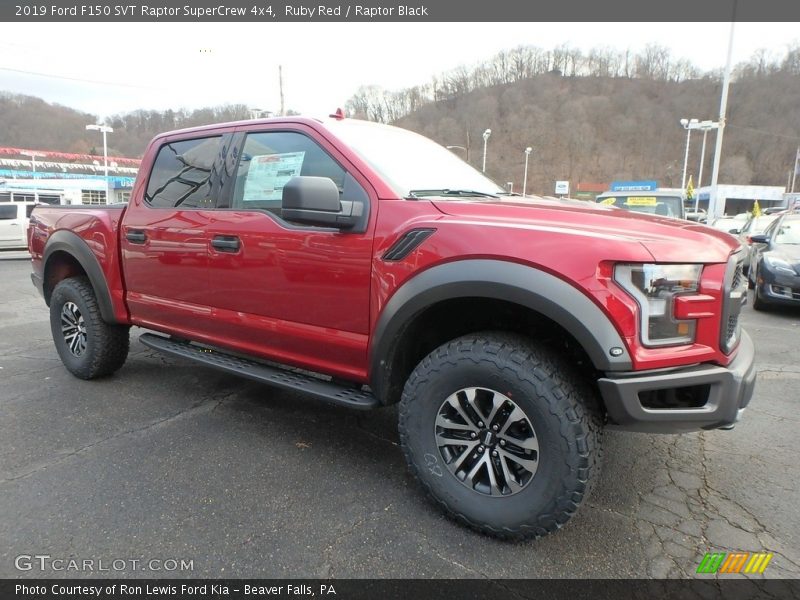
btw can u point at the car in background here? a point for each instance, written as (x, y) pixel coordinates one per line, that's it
(729, 224)
(14, 224)
(660, 203)
(775, 263)
(753, 226)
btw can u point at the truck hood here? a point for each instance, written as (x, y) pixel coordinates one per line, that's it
(667, 240)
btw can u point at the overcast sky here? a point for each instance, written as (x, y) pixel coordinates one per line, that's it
(106, 68)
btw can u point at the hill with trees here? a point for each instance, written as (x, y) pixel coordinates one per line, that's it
(602, 116)
(32, 123)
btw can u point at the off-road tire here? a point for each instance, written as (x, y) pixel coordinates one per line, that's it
(106, 346)
(563, 411)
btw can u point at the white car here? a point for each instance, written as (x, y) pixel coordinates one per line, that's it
(14, 224)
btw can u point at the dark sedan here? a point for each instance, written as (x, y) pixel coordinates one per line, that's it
(775, 263)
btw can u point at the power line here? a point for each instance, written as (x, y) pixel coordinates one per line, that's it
(66, 78)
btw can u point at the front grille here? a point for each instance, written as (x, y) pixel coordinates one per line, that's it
(733, 323)
(734, 295)
(738, 275)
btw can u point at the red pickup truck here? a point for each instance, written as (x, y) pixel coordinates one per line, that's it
(367, 266)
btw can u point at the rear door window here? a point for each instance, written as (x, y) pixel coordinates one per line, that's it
(8, 212)
(183, 173)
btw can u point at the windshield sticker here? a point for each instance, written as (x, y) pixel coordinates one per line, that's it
(268, 173)
(641, 201)
(609, 201)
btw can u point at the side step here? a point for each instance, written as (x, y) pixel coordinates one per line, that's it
(324, 390)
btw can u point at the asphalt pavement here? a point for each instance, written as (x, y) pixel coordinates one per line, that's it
(170, 462)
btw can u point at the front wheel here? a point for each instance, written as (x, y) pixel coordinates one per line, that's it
(88, 346)
(501, 433)
(758, 303)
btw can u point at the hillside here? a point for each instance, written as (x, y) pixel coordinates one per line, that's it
(600, 129)
(592, 120)
(32, 123)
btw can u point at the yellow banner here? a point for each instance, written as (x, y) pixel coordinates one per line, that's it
(641, 201)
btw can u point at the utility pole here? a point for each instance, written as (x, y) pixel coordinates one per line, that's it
(280, 86)
(713, 209)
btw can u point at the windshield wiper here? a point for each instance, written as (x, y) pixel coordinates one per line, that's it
(449, 192)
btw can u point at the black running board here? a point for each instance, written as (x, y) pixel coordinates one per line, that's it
(291, 380)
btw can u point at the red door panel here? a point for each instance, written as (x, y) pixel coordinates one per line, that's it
(298, 294)
(167, 274)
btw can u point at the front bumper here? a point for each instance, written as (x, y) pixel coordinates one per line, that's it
(718, 395)
(789, 288)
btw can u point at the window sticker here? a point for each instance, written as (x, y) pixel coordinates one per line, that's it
(608, 201)
(641, 201)
(268, 173)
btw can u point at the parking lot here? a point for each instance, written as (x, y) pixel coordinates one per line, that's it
(170, 461)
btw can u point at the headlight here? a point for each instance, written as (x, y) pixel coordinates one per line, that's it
(779, 265)
(654, 287)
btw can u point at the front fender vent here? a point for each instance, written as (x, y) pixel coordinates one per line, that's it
(407, 243)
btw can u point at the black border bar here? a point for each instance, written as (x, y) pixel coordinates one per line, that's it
(706, 587)
(399, 10)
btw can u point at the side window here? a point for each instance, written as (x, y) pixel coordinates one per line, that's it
(182, 174)
(29, 210)
(8, 212)
(270, 159)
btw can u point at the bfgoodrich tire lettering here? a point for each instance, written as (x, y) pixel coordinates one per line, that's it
(562, 414)
(88, 346)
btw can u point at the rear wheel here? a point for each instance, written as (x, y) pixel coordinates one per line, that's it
(501, 434)
(88, 346)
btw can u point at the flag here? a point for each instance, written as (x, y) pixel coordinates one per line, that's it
(756, 209)
(690, 189)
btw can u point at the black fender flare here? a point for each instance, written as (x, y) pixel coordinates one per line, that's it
(502, 280)
(77, 248)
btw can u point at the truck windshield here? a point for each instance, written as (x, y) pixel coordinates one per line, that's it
(663, 206)
(412, 164)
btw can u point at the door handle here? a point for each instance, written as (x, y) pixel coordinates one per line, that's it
(136, 236)
(226, 243)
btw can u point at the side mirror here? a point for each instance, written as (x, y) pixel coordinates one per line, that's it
(759, 238)
(314, 201)
(734, 231)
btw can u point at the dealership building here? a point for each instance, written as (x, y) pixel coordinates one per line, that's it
(64, 178)
(735, 199)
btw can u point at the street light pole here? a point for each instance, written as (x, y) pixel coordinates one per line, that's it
(33, 154)
(486, 135)
(528, 151)
(688, 125)
(705, 126)
(105, 129)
